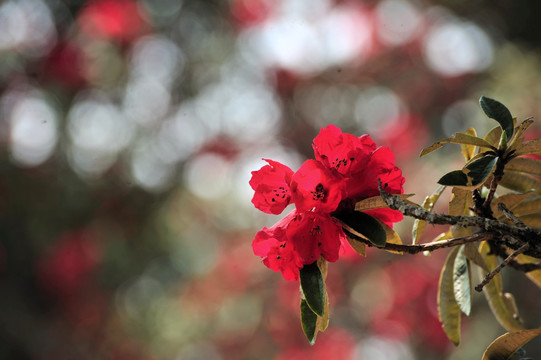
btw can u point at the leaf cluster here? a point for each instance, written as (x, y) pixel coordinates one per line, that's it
(500, 159)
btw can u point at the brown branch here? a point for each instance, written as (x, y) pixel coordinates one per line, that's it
(499, 268)
(431, 246)
(509, 214)
(489, 225)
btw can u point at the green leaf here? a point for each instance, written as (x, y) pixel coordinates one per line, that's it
(480, 169)
(365, 226)
(529, 147)
(504, 347)
(458, 138)
(497, 111)
(454, 178)
(520, 182)
(493, 291)
(461, 281)
(308, 322)
(524, 165)
(313, 288)
(420, 225)
(448, 309)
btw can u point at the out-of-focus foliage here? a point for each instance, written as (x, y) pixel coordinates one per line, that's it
(128, 130)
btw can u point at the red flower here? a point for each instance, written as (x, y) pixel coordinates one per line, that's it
(346, 170)
(316, 187)
(277, 253)
(314, 235)
(271, 185)
(343, 152)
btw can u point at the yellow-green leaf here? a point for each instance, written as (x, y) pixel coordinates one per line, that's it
(506, 316)
(458, 138)
(506, 345)
(529, 147)
(493, 136)
(528, 206)
(392, 236)
(448, 309)
(323, 322)
(525, 165)
(535, 275)
(376, 202)
(520, 182)
(517, 137)
(460, 202)
(359, 247)
(468, 150)
(461, 281)
(420, 225)
(472, 253)
(510, 201)
(532, 220)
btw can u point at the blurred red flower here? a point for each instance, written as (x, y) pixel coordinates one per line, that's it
(121, 20)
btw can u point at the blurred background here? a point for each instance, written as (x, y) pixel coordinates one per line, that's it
(128, 131)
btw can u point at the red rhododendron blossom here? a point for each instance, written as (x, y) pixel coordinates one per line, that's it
(343, 152)
(314, 235)
(271, 185)
(277, 253)
(316, 187)
(346, 170)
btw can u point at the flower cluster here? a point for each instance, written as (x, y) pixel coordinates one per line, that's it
(345, 170)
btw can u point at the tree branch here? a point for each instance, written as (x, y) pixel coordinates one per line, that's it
(499, 268)
(431, 246)
(489, 225)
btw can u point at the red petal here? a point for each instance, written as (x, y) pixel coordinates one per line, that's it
(272, 187)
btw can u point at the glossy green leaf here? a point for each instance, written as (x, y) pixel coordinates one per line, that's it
(428, 204)
(364, 225)
(313, 288)
(493, 291)
(518, 139)
(458, 138)
(461, 281)
(309, 322)
(376, 202)
(525, 165)
(520, 182)
(499, 112)
(504, 347)
(448, 309)
(454, 178)
(529, 147)
(480, 169)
